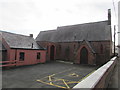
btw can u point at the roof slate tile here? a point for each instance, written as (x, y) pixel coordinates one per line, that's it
(20, 41)
(95, 31)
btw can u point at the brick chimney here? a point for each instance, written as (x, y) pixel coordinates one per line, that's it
(109, 16)
(31, 35)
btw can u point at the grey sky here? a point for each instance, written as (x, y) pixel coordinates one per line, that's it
(33, 16)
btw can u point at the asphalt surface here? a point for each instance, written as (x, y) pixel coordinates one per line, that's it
(48, 75)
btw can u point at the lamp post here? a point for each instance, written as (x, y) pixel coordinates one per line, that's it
(114, 39)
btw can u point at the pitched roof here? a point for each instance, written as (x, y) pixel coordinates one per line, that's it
(19, 41)
(46, 36)
(95, 31)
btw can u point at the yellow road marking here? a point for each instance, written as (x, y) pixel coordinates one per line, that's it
(65, 83)
(73, 75)
(52, 75)
(48, 76)
(50, 79)
(58, 73)
(72, 82)
(64, 71)
(61, 79)
(51, 84)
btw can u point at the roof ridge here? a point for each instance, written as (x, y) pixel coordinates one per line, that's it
(48, 30)
(83, 23)
(20, 41)
(14, 33)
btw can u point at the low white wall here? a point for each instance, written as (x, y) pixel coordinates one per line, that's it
(100, 78)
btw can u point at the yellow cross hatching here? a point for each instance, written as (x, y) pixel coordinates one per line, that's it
(60, 82)
(50, 84)
(65, 82)
(73, 75)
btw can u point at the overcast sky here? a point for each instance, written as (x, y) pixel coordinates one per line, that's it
(32, 16)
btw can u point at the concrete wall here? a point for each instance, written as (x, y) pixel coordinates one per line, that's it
(100, 78)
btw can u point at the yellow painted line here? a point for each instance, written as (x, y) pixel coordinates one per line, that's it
(51, 84)
(52, 75)
(57, 79)
(50, 79)
(58, 73)
(68, 82)
(65, 83)
(48, 76)
(73, 75)
(64, 71)
(72, 82)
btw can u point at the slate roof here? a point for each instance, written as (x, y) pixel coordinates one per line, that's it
(20, 41)
(46, 36)
(95, 31)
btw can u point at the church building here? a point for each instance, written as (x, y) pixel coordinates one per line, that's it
(88, 43)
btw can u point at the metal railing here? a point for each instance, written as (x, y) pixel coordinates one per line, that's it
(7, 63)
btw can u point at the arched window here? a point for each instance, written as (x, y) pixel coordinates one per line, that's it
(101, 48)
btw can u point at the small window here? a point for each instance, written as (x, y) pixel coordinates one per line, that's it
(38, 55)
(22, 56)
